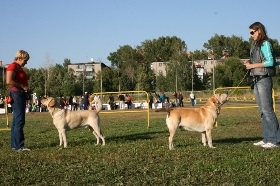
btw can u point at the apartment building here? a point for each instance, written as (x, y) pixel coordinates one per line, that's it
(202, 66)
(88, 69)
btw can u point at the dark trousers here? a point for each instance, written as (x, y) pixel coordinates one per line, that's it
(18, 106)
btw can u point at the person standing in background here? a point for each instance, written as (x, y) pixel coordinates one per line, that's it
(128, 101)
(151, 100)
(180, 98)
(70, 102)
(17, 81)
(262, 68)
(121, 101)
(192, 98)
(86, 101)
(75, 104)
(111, 101)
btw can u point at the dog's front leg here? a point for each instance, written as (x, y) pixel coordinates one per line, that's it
(60, 137)
(209, 137)
(63, 133)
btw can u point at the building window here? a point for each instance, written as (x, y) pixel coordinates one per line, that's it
(80, 66)
(205, 62)
(160, 64)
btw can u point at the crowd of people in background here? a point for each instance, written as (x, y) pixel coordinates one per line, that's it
(175, 101)
(121, 101)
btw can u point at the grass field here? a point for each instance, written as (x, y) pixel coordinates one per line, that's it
(137, 155)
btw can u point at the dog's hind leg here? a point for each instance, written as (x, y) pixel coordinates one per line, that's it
(203, 138)
(98, 135)
(60, 138)
(172, 130)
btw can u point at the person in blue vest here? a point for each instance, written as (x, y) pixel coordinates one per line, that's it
(262, 68)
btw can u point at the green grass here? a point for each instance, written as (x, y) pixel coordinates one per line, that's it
(137, 155)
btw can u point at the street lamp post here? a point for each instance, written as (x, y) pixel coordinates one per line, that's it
(46, 82)
(214, 76)
(176, 81)
(119, 76)
(84, 78)
(101, 81)
(192, 73)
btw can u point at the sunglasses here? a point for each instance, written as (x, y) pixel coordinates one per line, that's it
(253, 32)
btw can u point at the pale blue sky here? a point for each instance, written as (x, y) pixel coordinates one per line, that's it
(85, 29)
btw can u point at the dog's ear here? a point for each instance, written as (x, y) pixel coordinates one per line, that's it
(51, 103)
(215, 98)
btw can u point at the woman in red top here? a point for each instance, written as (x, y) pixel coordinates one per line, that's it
(17, 81)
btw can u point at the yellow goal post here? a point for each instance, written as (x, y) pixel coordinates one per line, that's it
(5, 111)
(146, 98)
(239, 94)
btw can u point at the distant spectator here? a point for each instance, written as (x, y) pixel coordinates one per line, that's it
(1, 102)
(75, 104)
(151, 100)
(192, 97)
(70, 102)
(162, 97)
(180, 98)
(121, 101)
(111, 102)
(86, 101)
(175, 95)
(129, 101)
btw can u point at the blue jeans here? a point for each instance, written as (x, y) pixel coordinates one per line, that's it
(192, 102)
(18, 105)
(270, 125)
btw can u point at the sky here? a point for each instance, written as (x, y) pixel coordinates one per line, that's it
(81, 30)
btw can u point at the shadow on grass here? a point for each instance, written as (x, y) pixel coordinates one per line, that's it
(136, 136)
(237, 140)
(217, 142)
(74, 141)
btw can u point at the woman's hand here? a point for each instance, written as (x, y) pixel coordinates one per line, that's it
(247, 64)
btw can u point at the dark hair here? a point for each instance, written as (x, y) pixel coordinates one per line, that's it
(257, 26)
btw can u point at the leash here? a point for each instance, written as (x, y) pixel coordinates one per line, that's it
(239, 83)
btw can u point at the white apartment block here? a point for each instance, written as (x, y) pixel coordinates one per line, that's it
(202, 66)
(88, 69)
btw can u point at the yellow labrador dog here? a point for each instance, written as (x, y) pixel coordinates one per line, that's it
(66, 119)
(200, 119)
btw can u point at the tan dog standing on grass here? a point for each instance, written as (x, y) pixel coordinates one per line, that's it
(64, 119)
(200, 119)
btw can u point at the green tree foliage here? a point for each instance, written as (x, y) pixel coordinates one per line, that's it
(162, 49)
(235, 46)
(276, 47)
(230, 73)
(146, 78)
(37, 80)
(131, 68)
(110, 80)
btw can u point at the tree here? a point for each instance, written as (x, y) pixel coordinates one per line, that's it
(230, 73)
(162, 49)
(146, 78)
(234, 45)
(109, 80)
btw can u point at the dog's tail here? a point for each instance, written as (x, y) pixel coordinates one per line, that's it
(99, 105)
(164, 109)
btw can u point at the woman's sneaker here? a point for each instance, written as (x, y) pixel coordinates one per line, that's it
(22, 149)
(269, 145)
(260, 143)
